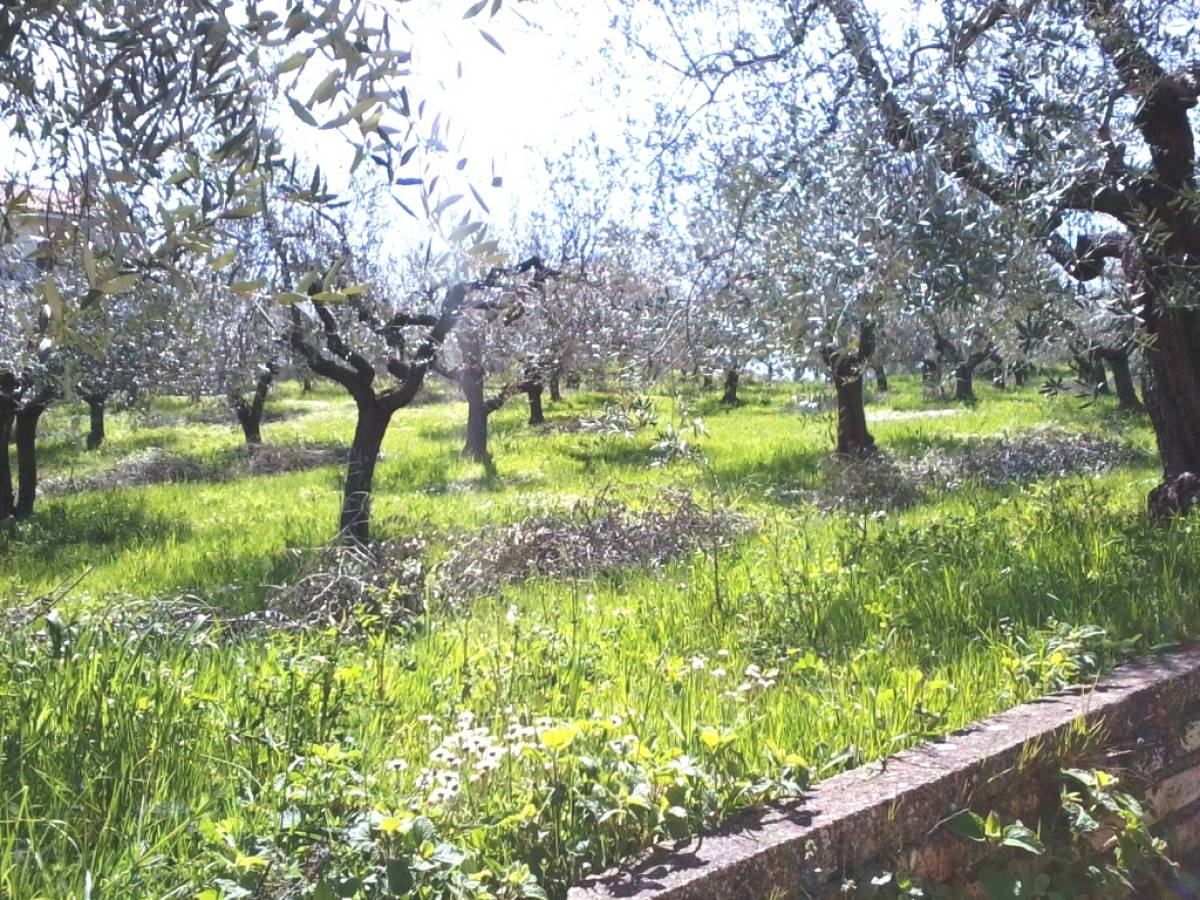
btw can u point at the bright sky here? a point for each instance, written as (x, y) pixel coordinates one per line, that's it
(512, 111)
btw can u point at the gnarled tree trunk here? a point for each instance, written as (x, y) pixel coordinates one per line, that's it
(1158, 211)
(847, 368)
(733, 375)
(1173, 388)
(853, 438)
(964, 373)
(369, 430)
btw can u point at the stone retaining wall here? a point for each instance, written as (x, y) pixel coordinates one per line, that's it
(1142, 721)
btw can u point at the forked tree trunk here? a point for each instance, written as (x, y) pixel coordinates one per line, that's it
(355, 522)
(96, 403)
(732, 376)
(534, 393)
(881, 381)
(7, 499)
(964, 374)
(846, 369)
(26, 433)
(250, 414)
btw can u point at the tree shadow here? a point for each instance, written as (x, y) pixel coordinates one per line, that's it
(71, 533)
(789, 469)
(154, 466)
(612, 452)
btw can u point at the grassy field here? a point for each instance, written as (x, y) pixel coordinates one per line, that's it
(503, 745)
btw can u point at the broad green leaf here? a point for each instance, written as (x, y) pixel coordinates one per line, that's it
(1023, 838)
(967, 824)
(559, 737)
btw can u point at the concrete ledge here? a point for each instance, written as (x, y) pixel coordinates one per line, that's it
(1142, 718)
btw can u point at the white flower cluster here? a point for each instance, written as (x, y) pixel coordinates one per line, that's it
(471, 751)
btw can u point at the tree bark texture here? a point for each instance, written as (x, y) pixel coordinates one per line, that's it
(847, 367)
(7, 498)
(471, 382)
(26, 433)
(964, 373)
(536, 414)
(369, 430)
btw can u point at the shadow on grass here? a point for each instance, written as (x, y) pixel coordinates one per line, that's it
(616, 451)
(789, 469)
(74, 526)
(155, 465)
(400, 472)
(61, 453)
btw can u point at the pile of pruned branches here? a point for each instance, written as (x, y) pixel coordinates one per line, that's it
(595, 535)
(1029, 456)
(383, 584)
(157, 466)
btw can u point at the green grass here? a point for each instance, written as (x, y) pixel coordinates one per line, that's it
(643, 704)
